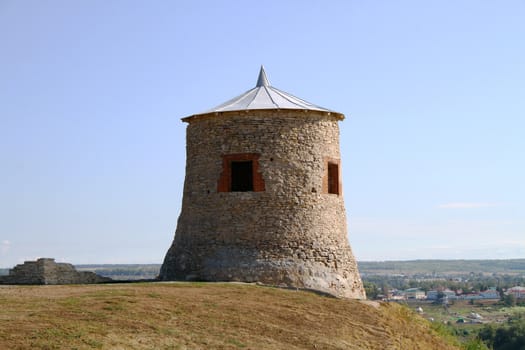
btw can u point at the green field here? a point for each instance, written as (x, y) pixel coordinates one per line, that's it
(443, 267)
(489, 312)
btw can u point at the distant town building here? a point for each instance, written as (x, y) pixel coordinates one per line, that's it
(415, 293)
(471, 296)
(444, 294)
(432, 295)
(518, 292)
(490, 293)
(449, 294)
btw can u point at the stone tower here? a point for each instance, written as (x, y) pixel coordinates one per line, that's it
(263, 197)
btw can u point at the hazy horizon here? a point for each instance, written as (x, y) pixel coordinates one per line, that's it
(359, 261)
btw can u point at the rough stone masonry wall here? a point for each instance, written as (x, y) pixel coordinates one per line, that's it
(47, 271)
(291, 234)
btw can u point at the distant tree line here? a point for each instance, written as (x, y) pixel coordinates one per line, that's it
(127, 272)
(443, 267)
(510, 336)
(124, 272)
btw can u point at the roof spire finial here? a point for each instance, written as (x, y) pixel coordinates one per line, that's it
(262, 80)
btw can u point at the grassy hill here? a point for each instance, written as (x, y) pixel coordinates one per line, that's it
(202, 316)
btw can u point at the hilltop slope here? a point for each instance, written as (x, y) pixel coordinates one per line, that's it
(202, 316)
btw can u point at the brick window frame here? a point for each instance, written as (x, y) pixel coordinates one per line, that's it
(225, 180)
(332, 183)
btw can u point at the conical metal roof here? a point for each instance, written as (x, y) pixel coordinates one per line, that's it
(265, 96)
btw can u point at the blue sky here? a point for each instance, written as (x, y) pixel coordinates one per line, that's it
(92, 148)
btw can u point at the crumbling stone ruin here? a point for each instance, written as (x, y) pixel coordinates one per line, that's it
(47, 271)
(263, 199)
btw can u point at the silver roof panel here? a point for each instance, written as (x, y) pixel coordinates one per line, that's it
(265, 96)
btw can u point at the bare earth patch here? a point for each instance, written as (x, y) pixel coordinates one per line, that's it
(201, 316)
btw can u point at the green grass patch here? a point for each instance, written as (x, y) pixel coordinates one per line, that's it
(236, 342)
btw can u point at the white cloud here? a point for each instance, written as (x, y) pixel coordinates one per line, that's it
(467, 205)
(4, 246)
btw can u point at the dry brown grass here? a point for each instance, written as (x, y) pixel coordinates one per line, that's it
(201, 316)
